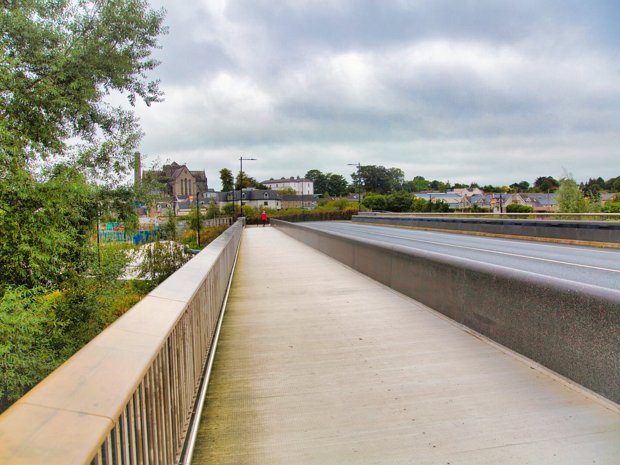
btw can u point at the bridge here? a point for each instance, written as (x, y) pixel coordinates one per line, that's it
(327, 358)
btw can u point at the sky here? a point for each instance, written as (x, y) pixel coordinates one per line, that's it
(492, 92)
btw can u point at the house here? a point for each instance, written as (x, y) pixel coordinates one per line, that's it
(256, 198)
(541, 202)
(494, 202)
(454, 200)
(180, 182)
(465, 192)
(301, 186)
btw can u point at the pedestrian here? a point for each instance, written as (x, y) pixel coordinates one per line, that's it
(263, 217)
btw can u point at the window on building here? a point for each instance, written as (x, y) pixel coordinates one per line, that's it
(265, 203)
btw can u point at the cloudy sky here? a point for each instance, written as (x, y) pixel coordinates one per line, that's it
(492, 91)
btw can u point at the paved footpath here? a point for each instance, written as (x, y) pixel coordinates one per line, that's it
(318, 364)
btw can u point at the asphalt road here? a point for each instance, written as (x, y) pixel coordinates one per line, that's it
(595, 266)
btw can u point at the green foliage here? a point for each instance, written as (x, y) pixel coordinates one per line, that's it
(546, 184)
(45, 227)
(379, 179)
(169, 228)
(517, 208)
(212, 211)
(612, 207)
(231, 209)
(417, 184)
(226, 177)
(375, 202)
(400, 201)
(207, 235)
(29, 338)
(329, 183)
(60, 60)
(419, 205)
(571, 200)
(297, 215)
(159, 259)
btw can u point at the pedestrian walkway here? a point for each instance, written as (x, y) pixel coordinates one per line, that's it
(318, 364)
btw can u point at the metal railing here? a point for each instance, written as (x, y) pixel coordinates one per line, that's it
(128, 396)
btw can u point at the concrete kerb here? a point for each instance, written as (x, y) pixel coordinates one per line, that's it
(570, 328)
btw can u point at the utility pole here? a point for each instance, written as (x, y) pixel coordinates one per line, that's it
(198, 218)
(241, 183)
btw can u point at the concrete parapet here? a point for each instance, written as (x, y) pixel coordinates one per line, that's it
(573, 329)
(592, 231)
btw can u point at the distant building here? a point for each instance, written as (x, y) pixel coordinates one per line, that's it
(256, 198)
(180, 182)
(301, 186)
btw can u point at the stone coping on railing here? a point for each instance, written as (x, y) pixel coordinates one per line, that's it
(67, 416)
(571, 328)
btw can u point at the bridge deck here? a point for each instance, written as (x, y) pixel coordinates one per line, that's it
(318, 364)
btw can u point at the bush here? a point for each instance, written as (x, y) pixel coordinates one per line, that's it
(207, 235)
(375, 202)
(612, 207)
(517, 208)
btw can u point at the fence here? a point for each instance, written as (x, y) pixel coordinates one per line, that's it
(128, 396)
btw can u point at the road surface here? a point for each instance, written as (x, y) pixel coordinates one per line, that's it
(595, 266)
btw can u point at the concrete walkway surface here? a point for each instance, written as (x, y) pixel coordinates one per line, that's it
(318, 364)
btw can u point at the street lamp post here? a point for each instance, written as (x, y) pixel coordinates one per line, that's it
(197, 218)
(241, 183)
(359, 181)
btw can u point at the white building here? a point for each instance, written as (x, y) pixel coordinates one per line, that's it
(301, 186)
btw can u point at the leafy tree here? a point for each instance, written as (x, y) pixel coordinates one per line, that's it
(546, 184)
(226, 177)
(571, 200)
(400, 201)
(60, 60)
(439, 186)
(319, 179)
(169, 228)
(417, 184)
(375, 202)
(378, 179)
(248, 181)
(336, 185)
(522, 186)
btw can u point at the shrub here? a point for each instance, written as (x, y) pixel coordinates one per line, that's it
(517, 208)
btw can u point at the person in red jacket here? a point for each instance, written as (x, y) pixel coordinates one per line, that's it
(263, 218)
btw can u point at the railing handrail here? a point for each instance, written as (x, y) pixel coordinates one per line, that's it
(128, 395)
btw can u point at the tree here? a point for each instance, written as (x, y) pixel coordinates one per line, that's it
(379, 179)
(571, 200)
(336, 185)
(319, 179)
(60, 61)
(400, 201)
(417, 184)
(226, 177)
(248, 181)
(546, 184)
